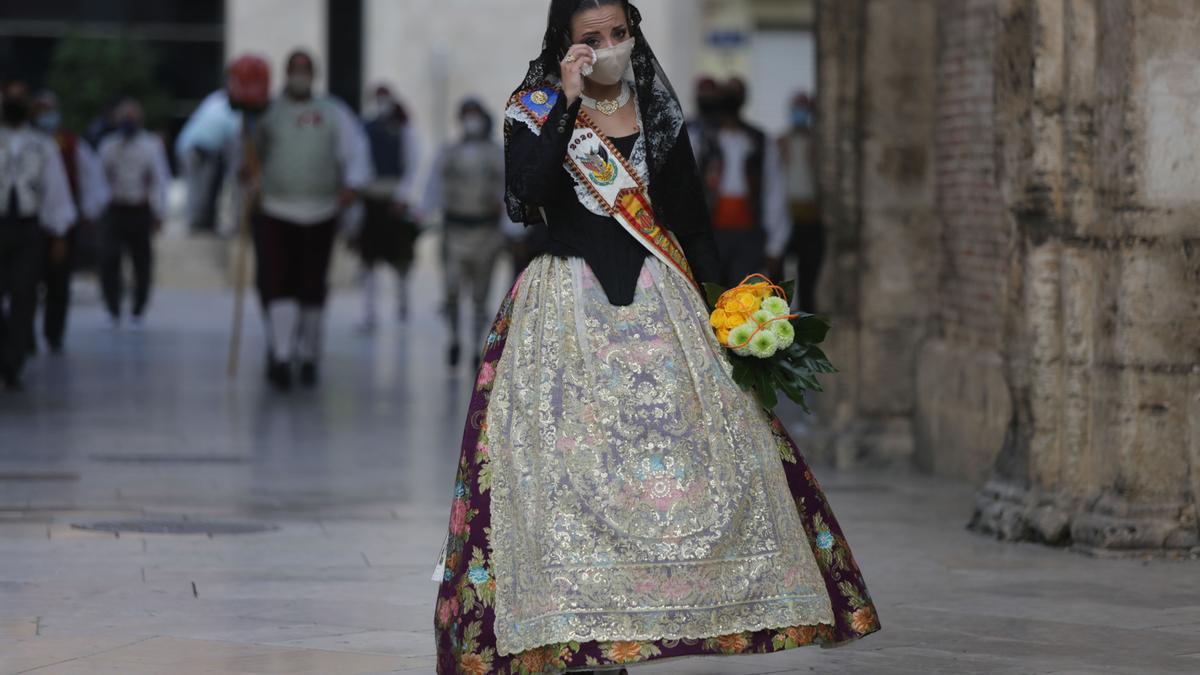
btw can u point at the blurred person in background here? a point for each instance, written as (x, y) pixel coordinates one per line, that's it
(467, 187)
(702, 129)
(85, 174)
(389, 232)
(34, 195)
(315, 159)
(798, 153)
(202, 152)
(138, 172)
(744, 187)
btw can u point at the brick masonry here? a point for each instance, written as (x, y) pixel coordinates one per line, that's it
(975, 232)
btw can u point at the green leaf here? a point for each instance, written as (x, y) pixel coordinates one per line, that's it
(712, 292)
(815, 360)
(810, 329)
(742, 372)
(789, 289)
(803, 403)
(765, 388)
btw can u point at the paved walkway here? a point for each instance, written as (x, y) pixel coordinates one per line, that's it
(355, 477)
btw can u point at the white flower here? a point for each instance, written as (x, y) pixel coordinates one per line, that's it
(784, 332)
(764, 345)
(762, 316)
(738, 337)
(776, 305)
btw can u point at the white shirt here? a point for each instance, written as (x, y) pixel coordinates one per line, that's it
(93, 193)
(31, 168)
(210, 127)
(736, 147)
(802, 182)
(137, 170)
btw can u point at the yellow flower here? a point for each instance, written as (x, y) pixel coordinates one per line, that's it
(746, 301)
(760, 290)
(733, 320)
(717, 318)
(723, 335)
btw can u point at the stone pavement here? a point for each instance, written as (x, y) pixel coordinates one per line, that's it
(354, 481)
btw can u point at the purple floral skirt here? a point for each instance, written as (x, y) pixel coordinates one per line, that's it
(465, 618)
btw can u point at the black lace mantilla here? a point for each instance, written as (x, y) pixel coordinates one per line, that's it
(662, 115)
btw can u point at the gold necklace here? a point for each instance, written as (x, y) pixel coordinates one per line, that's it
(610, 106)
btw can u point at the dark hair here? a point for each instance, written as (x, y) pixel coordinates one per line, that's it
(300, 54)
(558, 24)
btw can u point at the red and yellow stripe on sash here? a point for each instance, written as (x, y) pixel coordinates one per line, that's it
(631, 206)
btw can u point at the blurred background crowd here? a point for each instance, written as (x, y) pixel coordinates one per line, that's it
(141, 101)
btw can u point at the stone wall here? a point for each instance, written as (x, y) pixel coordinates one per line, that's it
(876, 173)
(1060, 356)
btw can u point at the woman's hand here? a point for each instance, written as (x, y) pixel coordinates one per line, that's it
(572, 71)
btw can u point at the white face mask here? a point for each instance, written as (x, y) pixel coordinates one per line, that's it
(612, 63)
(299, 84)
(474, 125)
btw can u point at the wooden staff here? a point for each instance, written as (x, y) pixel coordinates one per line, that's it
(250, 164)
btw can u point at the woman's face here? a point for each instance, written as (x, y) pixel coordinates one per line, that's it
(600, 27)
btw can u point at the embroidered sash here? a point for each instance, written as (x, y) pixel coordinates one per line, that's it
(597, 165)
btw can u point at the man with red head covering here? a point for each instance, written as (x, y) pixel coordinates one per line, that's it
(315, 160)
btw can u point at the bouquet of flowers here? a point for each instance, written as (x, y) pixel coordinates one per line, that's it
(771, 348)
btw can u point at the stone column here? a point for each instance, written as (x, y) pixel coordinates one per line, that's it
(1097, 164)
(875, 125)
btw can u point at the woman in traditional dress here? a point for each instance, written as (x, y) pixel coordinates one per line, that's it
(619, 498)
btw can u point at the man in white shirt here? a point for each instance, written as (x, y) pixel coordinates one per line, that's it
(201, 150)
(745, 188)
(90, 189)
(135, 163)
(34, 194)
(315, 159)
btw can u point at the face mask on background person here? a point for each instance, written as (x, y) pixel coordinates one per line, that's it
(15, 111)
(731, 104)
(127, 127)
(474, 125)
(612, 63)
(48, 121)
(299, 84)
(801, 118)
(708, 105)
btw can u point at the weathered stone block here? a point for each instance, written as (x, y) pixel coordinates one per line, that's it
(963, 410)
